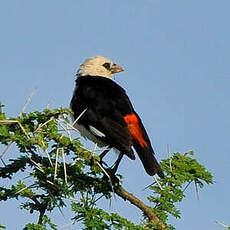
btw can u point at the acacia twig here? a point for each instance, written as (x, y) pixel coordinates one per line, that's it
(148, 211)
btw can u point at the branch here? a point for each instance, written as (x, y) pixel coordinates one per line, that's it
(148, 211)
(42, 211)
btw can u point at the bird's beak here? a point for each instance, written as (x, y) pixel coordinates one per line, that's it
(116, 68)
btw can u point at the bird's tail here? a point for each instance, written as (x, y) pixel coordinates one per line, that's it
(148, 160)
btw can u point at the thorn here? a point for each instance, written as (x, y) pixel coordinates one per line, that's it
(64, 165)
(23, 130)
(48, 181)
(15, 121)
(41, 125)
(158, 182)
(56, 165)
(98, 198)
(60, 121)
(48, 105)
(110, 181)
(48, 155)
(6, 149)
(224, 225)
(187, 186)
(27, 101)
(95, 149)
(3, 162)
(36, 165)
(149, 185)
(197, 191)
(67, 225)
(24, 188)
(169, 156)
(76, 120)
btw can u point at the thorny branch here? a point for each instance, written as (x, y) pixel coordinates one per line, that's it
(61, 170)
(148, 211)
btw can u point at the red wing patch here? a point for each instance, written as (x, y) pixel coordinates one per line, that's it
(134, 128)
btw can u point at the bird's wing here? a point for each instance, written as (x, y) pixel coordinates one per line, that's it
(111, 117)
(106, 104)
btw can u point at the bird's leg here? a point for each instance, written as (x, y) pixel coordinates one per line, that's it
(102, 155)
(116, 164)
(110, 172)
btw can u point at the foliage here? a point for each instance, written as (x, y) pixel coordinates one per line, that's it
(61, 169)
(179, 169)
(2, 227)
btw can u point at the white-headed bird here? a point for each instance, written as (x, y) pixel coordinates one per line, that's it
(106, 116)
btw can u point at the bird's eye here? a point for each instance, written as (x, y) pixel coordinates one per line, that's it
(106, 65)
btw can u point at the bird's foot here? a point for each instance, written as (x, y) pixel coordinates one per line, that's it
(103, 163)
(111, 176)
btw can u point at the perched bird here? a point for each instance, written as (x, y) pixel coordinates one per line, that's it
(105, 115)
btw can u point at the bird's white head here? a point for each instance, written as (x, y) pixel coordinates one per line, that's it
(98, 66)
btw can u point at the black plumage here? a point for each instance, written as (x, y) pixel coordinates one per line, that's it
(109, 111)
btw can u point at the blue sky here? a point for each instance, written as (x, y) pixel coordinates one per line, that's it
(176, 56)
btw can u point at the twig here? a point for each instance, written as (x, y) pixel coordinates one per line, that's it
(148, 211)
(42, 211)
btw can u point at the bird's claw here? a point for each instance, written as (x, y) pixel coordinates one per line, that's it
(103, 163)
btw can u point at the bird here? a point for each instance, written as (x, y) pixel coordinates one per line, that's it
(104, 114)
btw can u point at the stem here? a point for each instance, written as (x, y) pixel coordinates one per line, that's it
(148, 211)
(42, 212)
